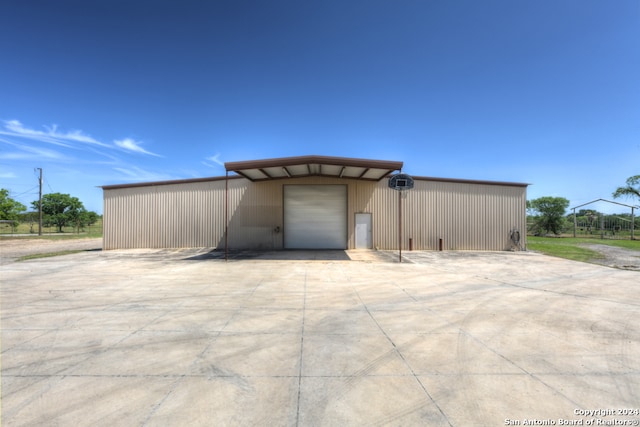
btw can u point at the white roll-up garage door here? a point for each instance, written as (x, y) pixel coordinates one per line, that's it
(315, 216)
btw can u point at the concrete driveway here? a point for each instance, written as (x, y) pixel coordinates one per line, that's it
(181, 337)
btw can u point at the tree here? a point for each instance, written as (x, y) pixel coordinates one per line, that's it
(632, 188)
(83, 218)
(91, 218)
(551, 211)
(60, 209)
(10, 209)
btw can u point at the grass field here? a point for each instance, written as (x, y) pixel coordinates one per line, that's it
(26, 230)
(48, 254)
(573, 248)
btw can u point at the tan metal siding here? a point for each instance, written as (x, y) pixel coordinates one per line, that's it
(167, 216)
(255, 210)
(467, 216)
(384, 217)
(254, 218)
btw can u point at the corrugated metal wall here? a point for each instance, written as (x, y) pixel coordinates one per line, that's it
(253, 220)
(467, 216)
(164, 216)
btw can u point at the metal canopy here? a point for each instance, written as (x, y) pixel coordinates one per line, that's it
(297, 167)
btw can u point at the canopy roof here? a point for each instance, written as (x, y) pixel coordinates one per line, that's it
(296, 167)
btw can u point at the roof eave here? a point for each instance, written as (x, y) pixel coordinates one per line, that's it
(242, 168)
(291, 161)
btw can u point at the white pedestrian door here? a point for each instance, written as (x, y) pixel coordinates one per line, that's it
(315, 216)
(363, 231)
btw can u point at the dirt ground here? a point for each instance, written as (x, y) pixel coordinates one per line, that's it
(616, 257)
(11, 249)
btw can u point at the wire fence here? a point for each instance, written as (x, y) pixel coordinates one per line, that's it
(30, 228)
(597, 226)
(605, 227)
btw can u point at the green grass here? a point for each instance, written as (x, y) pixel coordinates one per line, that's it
(573, 248)
(48, 255)
(31, 231)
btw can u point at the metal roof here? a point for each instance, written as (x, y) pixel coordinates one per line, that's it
(296, 167)
(470, 181)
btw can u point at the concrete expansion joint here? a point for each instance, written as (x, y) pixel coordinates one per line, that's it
(397, 351)
(454, 340)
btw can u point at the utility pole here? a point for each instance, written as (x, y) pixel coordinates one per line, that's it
(40, 205)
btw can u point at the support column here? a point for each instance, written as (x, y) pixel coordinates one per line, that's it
(226, 217)
(400, 225)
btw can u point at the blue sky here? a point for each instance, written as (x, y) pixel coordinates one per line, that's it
(101, 92)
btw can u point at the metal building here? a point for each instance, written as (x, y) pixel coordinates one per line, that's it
(315, 202)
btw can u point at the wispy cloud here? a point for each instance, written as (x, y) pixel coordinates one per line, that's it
(25, 152)
(74, 139)
(51, 135)
(134, 173)
(129, 144)
(7, 175)
(214, 159)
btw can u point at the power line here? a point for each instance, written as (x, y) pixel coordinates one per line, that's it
(28, 191)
